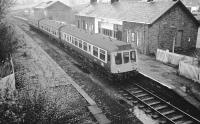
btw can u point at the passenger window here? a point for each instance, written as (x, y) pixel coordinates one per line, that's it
(70, 39)
(80, 44)
(133, 56)
(102, 55)
(89, 48)
(85, 46)
(95, 51)
(76, 42)
(118, 59)
(126, 57)
(73, 40)
(67, 38)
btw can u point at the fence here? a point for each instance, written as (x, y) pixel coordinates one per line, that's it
(8, 81)
(189, 70)
(172, 58)
(187, 66)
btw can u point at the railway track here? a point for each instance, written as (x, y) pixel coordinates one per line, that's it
(159, 109)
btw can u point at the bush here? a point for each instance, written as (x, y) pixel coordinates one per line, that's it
(8, 41)
(11, 112)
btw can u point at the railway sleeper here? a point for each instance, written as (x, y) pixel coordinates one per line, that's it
(186, 122)
(136, 91)
(183, 121)
(147, 99)
(174, 118)
(167, 112)
(158, 107)
(153, 103)
(140, 95)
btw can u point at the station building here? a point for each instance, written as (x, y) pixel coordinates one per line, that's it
(146, 24)
(54, 10)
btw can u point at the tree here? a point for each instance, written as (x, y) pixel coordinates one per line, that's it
(6, 30)
(5, 5)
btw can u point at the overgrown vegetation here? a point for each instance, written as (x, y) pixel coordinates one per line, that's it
(8, 41)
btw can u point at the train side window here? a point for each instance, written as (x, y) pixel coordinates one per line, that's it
(85, 46)
(89, 48)
(65, 36)
(80, 44)
(126, 57)
(76, 42)
(102, 55)
(70, 39)
(118, 59)
(73, 40)
(95, 51)
(133, 56)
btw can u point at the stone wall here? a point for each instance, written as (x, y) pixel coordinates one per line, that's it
(164, 30)
(8, 81)
(89, 21)
(141, 30)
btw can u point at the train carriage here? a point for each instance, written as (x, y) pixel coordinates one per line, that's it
(115, 58)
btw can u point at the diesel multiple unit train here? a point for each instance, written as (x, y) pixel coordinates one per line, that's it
(115, 59)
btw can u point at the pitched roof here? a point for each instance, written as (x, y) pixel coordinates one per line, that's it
(47, 4)
(140, 12)
(191, 2)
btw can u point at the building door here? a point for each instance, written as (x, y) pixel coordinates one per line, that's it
(179, 38)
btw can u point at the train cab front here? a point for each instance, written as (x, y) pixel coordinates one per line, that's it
(124, 63)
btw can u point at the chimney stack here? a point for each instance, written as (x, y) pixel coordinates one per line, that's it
(113, 1)
(93, 1)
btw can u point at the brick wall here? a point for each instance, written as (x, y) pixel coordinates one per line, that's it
(60, 12)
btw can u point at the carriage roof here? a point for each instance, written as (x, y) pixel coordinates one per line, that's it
(52, 23)
(99, 40)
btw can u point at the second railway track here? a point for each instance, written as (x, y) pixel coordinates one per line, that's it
(159, 109)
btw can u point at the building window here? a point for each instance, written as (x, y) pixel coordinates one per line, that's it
(102, 55)
(85, 46)
(84, 24)
(78, 24)
(95, 51)
(134, 37)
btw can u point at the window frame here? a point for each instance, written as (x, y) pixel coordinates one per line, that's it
(102, 52)
(93, 52)
(85, 47)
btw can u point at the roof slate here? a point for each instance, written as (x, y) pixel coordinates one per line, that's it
(44, 5)
(133, 11)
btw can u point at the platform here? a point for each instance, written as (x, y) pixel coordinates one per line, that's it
(168, 77)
